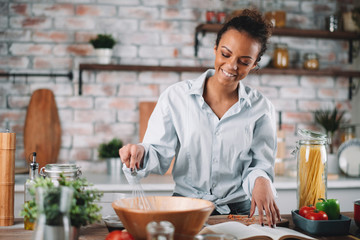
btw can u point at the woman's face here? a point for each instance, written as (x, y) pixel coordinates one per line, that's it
(235, 56)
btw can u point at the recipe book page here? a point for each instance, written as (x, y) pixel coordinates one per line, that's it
(255, 231)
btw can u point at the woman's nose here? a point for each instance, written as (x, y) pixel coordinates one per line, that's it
(233, 64)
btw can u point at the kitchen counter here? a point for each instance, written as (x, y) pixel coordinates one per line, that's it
(99, 231)
(344, 188)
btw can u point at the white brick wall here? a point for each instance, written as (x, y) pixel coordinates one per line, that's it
(52, 36)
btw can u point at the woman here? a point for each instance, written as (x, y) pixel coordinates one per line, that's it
(221, 132)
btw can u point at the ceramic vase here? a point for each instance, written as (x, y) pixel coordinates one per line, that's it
(103, 55)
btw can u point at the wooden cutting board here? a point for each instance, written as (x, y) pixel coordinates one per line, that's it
(42, 131)
(243, 219)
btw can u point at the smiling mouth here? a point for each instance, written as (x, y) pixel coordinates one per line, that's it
(227, 73)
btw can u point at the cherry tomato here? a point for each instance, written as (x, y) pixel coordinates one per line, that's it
(119, 235)
(317, 215)
(305, 210)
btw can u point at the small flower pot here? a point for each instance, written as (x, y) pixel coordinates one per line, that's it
(103, 55)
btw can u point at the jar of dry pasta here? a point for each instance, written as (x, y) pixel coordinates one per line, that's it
(311, 155)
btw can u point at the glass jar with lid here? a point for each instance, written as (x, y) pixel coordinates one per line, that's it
(311, 156)
(281, 56)
(53, 171)
(311, 61)
(275, 14)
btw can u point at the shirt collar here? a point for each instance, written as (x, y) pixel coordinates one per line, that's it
(243, 94)
(196, 86)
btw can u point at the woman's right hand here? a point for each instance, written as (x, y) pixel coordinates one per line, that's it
(132, 155)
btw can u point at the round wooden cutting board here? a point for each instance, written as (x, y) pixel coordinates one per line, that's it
(42, 131)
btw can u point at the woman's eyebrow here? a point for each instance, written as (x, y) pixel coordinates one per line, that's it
(231, 52)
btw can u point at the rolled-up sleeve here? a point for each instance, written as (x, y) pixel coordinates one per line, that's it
(160, 139)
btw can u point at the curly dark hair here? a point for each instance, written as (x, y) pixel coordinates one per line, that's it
(253, 23)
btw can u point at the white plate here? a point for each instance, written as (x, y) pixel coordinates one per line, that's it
(349, 157)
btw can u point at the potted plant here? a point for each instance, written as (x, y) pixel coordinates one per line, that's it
(330, 121)
(103, 44)
(82, 207)
(110, 152)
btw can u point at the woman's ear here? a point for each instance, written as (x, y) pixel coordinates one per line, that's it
(215, 48)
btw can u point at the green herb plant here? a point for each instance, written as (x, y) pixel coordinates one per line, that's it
(330, 120)
(103, 41)
(110, 149)
(83, 210)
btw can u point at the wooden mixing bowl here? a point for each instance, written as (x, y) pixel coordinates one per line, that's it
(188, 215)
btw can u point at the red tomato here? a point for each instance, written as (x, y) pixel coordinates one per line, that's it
(305, 210)
(316, 215)
(119, 235)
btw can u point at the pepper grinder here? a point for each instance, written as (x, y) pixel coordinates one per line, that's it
(7, 177)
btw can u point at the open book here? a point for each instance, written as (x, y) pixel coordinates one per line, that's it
(254, 231)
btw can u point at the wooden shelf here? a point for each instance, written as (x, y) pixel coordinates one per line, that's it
(290, 32)
(271, 71)
(300, 33)
(140, 68)
(304, 72)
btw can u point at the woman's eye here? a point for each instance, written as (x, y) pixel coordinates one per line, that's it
(225, 55)
(245, 63)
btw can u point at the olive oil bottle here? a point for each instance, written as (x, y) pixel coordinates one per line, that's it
(33, 173)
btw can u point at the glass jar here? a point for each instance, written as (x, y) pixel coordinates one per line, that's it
(275, 13)
(162, 230)
(348, 132)
(53, 211)
(277, 18)
(281, 56)
(53, 171)
(311, 61)
(311, 155)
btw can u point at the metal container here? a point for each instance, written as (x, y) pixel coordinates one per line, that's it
(53, 171)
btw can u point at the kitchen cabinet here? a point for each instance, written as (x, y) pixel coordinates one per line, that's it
(299, 33)
(345, 189)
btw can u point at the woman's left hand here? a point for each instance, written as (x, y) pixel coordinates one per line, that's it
(263, 199)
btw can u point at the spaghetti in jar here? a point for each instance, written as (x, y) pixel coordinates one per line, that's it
(311, 168)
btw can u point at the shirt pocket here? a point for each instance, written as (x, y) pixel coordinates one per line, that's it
(239, 138)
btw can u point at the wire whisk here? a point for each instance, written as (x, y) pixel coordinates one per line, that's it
(140, 200)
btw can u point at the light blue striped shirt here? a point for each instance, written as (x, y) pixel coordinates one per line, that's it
(217, 160)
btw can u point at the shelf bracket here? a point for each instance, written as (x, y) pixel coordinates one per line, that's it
(353, 87)
(80, 81)
(196, 45)
(350, 51)
(350, 87)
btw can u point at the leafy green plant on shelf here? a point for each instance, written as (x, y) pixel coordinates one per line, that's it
(330, 121)
(83, 210)
(103, 41)
(110, 149)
